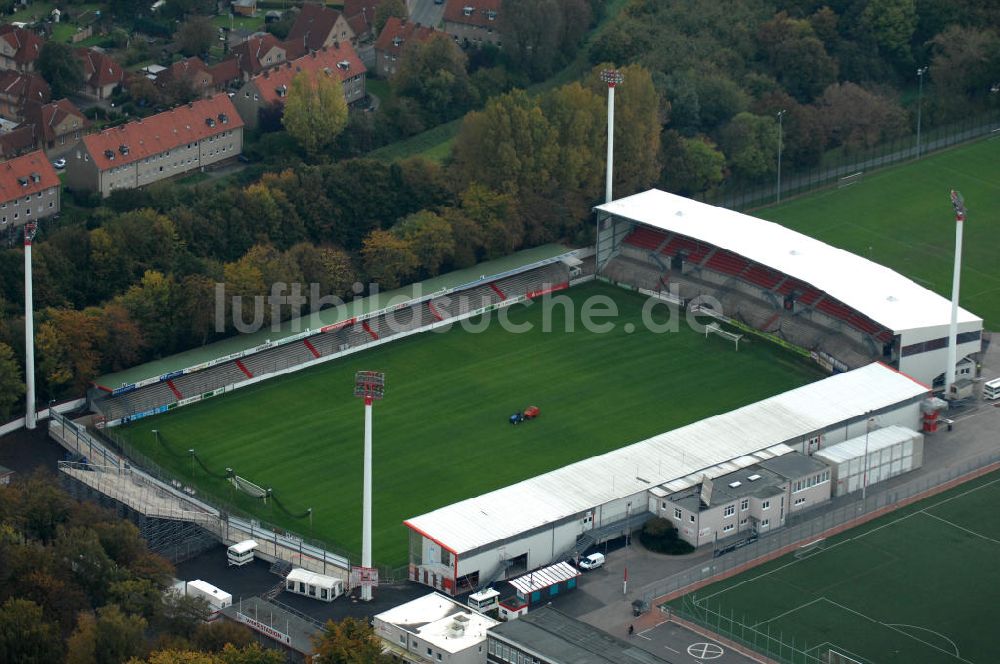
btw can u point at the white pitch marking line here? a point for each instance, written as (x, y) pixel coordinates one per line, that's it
(953, 644)
(955, 525)
(782, 615)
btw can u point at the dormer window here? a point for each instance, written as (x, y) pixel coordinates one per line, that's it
(223, 118)
(491, 15)
(281, 90)
(123, 149)
(110, 154)
(396, 41)
(23, 181)
(468, 10)
(210, 122)
(344, 64)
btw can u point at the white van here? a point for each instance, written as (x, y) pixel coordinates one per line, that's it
(593, 561)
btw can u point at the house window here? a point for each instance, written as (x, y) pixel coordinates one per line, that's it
(728, 528)
(402, 639)
(744, 504)
(765, 523)
(800, 501)
(729, 511)
(743, 521)
(766, 505)
(690, 518)
(429, 651)
(677, 513)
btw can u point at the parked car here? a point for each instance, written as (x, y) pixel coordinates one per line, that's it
(59, 163)
(593, 561)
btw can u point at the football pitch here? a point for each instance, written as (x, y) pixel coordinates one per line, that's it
(902, 218)
(920, 584)
(441, 434)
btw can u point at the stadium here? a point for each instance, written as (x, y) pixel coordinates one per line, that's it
(880, 334)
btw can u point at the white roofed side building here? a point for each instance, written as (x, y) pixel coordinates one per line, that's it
(553, 516)
(434, 628)
(843, 308)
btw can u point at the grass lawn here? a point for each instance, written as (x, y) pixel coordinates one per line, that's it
(239, 22)
(918, 585)
(441, 435)
(901, 217)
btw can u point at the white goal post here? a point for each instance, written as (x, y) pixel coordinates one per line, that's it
(848, 180)
(246, 486)
(714, 328)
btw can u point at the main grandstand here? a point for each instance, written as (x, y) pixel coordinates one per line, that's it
(843, 308)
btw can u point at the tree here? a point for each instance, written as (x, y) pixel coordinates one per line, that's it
(250, 654)
(387, 9)
(857, 118)
(351, 641)
(315, 111)
(498, 229)
(11, 383)
(214, 636)
(965, 64)
(892, 23)
(25, 636)
(577, 116)
(796, 57)
(690, 165)
(109, 638)
(751, 144)
(539, 36)
(388, 259)
(433, 74)
(195, 36)
(61, 68)
(430, 239)
(140, 597)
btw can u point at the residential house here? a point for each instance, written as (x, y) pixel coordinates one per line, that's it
(18, 141)
(161, 146)
(191, 70)
(473, 22)
(259, 52)
(268, 90)
(361, 17)
(434, 628)
(17, 90)
(29, 190)
(19, 48)
(101, 73)
(59, 125)
(225, 75)
(395, 35)
(317, 26)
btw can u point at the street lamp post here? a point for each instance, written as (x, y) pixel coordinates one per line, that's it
(781, 115)
(920, 103)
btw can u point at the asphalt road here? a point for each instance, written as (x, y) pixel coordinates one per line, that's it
(427, 12)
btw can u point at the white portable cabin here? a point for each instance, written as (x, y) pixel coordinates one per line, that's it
(485, 600)
(317, 586)
(241, 553)
(891, 451)
(217, 599)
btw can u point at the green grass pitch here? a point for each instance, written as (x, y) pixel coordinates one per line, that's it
(902, 218)
(441, 434)
(918, 585)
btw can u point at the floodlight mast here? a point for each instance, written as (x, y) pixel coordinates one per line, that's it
(369, 385)
(612, 77)
(958, 203)
(30, 229)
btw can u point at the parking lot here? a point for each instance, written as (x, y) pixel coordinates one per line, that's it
(680, 645)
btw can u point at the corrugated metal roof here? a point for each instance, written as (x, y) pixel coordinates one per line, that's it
(855, 447)
(574, 489)
(544, 577)
(879, 293)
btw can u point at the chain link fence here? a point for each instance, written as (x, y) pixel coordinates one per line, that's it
(811, 525)
(737, 194)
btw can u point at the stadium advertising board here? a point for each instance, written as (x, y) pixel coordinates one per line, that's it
(266, 630)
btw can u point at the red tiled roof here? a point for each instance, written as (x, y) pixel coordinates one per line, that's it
(33, 169)
(454, 11)
(312, 26)
(26, 44)
(18, 140)
(25, 87)
(396, 33)
(182, 69)
(47, 116)
(327, 60)
(100, 69)
(162, 132)
(225, 71)
(249, 53)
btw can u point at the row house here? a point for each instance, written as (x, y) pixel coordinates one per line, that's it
(268, 90)
(161, 146)
(29, 190)
(473, 22)
(101, 73)
(59, 125)
(19, 48)
(17, 90)
(395, 35)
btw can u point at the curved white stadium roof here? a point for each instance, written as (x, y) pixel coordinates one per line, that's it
(883, 295)
(759, 428)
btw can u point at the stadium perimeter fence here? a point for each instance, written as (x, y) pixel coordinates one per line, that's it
(230, 510)
(848, 168)
(800, 530)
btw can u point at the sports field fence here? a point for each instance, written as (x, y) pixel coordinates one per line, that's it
(841, 168)
(801, 529)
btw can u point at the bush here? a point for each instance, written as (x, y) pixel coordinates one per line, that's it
(660, 536)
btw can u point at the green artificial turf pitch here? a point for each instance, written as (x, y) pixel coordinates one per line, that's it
(902, 218)
(918, 585)
(441, 434)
